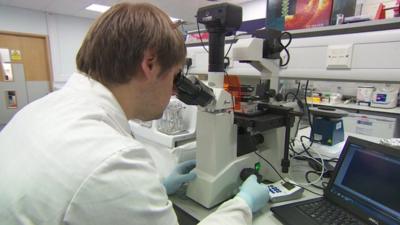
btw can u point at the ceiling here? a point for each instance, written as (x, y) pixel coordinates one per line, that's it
(183, 9)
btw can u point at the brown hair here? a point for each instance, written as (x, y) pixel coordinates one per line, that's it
(114, 46)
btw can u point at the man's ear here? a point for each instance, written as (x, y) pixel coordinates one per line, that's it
(149, 64)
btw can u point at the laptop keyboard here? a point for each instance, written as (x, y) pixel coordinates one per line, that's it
(326, 213)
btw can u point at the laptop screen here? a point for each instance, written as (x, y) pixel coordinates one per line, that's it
(370, 181)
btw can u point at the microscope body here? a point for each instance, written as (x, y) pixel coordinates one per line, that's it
(223, 149)
(218, 166)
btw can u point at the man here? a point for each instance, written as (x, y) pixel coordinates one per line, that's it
(70, 158)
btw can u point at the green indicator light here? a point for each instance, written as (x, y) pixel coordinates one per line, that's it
(257, 166)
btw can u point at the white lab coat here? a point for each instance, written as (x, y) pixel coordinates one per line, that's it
(69, 158)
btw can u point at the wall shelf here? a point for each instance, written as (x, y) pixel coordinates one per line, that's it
(349, 28)
(360, 107)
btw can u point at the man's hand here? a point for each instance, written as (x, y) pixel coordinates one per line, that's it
(256, 195)
(180, 175)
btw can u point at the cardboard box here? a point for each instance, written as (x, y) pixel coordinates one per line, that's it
(371, 125)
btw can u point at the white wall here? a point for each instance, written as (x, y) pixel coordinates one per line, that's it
(66, 32)
(254, 10)
(65, 35)
(22, 20)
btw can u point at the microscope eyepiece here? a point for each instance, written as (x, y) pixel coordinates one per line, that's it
(192, 91)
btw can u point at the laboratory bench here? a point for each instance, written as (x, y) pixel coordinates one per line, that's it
(190, 212)
(188, 208)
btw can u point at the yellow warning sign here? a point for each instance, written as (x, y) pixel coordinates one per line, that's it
(16, 55)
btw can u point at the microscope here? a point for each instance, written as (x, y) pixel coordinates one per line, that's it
(225, 138)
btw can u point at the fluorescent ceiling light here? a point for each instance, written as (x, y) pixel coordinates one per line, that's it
(97, 8)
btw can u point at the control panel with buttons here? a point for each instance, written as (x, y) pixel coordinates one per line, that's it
(284, 191)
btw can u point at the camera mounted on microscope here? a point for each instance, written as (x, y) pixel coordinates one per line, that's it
(220, 18)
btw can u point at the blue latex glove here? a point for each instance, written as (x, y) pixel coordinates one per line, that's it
(256, 195)
(180, 175)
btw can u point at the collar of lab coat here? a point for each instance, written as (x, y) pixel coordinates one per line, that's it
(101, 95)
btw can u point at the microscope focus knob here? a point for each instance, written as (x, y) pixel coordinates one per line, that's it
(246, 172)
(258, 139)
(271, 93)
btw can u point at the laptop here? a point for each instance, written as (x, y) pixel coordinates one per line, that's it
(364, 189)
